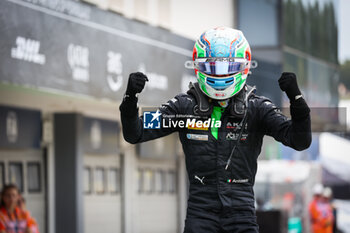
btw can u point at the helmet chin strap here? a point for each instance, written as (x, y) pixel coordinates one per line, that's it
(240, 105)
(204, 106)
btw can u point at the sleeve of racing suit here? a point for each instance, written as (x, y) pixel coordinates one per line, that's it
(132, 124)
(295, 133)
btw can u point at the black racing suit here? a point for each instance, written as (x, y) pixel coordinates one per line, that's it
(223, 200)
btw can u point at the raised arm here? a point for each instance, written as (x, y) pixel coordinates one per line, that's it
(132, 123)
(295, 133)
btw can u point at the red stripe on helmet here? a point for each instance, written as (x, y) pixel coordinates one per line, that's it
(247, 56)
(231, 46)
(208, 44)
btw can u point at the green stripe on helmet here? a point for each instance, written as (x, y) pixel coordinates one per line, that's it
(240, 52)
(200, 51)
(201, 83)
(201, 77)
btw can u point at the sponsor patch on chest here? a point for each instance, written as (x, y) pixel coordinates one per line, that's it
(197, 137)
(234, 136)
(198, 128)
(235, 126)
(237, 181)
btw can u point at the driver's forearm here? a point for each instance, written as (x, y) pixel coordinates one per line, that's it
(131, 123)
(301, 124)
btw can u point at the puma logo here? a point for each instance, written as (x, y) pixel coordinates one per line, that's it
(201, 180)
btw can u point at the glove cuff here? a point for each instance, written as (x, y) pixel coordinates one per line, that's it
(129, 106)
(129, 93)
(293, 93)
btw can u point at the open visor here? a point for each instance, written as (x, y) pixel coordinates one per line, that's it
(227, 66)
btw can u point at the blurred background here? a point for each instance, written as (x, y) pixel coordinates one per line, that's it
(64, 66)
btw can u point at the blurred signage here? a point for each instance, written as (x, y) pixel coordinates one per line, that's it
(27, 50)
(78, 60)
(44, 47)
(69, 7)
(114, 71)
(19, 128)
(100, 136)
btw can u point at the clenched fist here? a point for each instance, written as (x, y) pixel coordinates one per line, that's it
(288, 83)
(136, 83)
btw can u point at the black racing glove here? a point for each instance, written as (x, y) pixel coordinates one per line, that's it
(298, 107)
(288, 83)
(136, 84)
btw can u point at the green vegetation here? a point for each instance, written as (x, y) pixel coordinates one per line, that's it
(311, 28)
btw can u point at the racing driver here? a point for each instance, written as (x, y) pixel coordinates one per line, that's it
(221, 160)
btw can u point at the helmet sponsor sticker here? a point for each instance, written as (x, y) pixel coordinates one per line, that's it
(220, 94)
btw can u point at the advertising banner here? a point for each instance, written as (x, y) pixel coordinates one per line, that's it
(73, 47)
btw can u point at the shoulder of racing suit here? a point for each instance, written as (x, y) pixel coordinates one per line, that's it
(187, 103)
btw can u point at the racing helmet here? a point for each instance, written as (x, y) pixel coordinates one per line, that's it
(221, 61)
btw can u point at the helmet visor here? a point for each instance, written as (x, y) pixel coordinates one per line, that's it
(218, 67)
